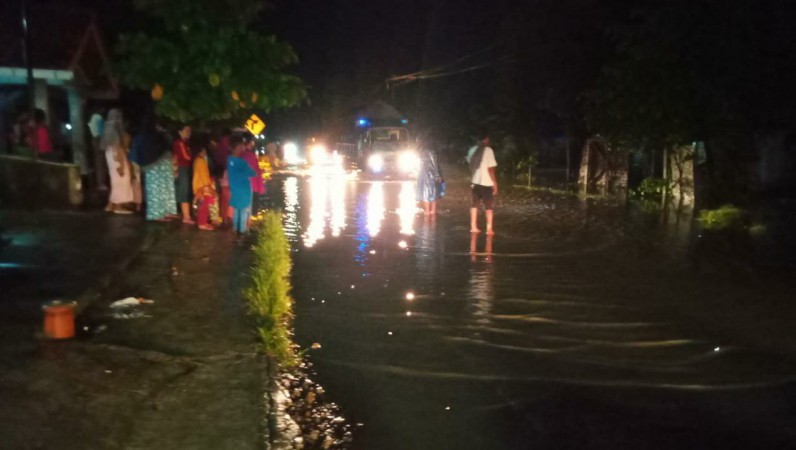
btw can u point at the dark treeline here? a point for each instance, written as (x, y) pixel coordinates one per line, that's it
(645, 74)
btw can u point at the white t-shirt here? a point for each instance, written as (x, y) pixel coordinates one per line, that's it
(481, 176)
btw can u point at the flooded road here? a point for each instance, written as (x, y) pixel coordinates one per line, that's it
(580, 325)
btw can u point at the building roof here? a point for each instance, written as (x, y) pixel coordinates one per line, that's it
(60, 39)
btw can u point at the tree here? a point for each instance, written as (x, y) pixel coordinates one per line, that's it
(698, 70)
(203, 62)
(685, 70)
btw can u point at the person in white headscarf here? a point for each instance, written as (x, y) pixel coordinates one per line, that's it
(118, 164)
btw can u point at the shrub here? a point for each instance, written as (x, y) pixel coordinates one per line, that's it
(727, 216)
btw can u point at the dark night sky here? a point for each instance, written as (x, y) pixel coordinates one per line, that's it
(546, 52)
(347, 48)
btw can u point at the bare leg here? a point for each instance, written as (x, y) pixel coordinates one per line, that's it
(434, 207)
(186, 212)
(489, 229)
(425, 207)
(474, 220)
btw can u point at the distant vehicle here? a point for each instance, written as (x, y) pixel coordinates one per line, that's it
(381, 143)
(388, 151)
(324, 160)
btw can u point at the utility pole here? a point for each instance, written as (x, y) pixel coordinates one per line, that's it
(25, 41)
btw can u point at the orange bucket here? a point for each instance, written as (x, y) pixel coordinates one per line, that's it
(59, 320)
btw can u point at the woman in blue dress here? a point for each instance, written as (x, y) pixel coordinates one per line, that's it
(239, 173)
(429, 181)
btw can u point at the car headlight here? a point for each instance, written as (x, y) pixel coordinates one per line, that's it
(290, 152)
(408, 161)
(319, 154)
(376, 162)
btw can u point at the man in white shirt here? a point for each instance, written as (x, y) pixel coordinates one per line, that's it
(482, 162)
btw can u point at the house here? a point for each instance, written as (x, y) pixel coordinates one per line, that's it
(70, 67)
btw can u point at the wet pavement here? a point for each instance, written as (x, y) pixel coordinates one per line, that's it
(182, 372)
(581, 324)
(49, 255)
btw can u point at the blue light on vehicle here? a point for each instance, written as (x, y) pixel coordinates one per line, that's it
(363, 123)
(404, 121)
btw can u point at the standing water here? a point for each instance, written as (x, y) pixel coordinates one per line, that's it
(581, 324)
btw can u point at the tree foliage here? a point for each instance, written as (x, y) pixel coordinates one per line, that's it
(694, 70)
(207, 62)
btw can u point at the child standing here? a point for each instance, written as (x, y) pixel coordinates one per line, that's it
(203, 190)
(239, 174)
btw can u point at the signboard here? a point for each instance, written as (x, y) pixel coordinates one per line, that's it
(255, 125)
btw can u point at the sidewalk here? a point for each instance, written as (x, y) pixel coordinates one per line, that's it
(186, 375)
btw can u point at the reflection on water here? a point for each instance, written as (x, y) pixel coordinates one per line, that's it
(407, 207)
(337, 193)
(481, 282)
(291, 218)
(375, 214)
(429, 255)
(329, 201)
(327, 208)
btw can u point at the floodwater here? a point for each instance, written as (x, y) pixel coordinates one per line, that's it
(581, 324)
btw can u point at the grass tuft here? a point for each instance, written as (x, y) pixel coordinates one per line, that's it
(727, 216)
(268, 296)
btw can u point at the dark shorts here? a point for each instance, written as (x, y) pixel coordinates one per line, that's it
(182, 185)
(483, 194)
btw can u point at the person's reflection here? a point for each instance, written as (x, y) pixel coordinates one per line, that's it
(482, 289)
(428, 256)
(487, 248)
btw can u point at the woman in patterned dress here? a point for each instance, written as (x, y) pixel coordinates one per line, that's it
(150, 150)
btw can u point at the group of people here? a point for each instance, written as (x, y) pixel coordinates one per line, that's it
(31, 133)
(217, 176)
(220, 176)
(482, 164)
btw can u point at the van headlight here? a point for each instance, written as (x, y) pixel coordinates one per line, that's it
(408, 161)
(376, 162)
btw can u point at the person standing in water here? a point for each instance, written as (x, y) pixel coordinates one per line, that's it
(482, 162)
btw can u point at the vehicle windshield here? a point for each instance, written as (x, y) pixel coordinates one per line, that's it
(389, 134)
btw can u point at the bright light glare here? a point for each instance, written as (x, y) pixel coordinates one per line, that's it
(291, 153)
(337, 196)
(68, 126)
(319, 154)
(376, 162)
(407, 207)
(291, 221)
(337, 159)
(408, 161)
(375, 213)
(318, 203)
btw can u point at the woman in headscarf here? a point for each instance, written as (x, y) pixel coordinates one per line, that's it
(118, 165)
(150, 150)
(204, 189)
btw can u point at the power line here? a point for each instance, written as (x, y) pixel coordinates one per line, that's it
(435, 73)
